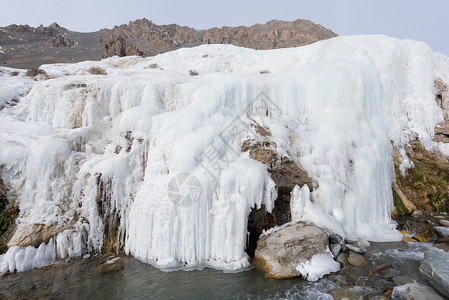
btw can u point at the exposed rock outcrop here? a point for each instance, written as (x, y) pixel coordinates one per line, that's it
(8, 214)
(285, 173)
(33, 235)
(61, 41)
(121, 47)
(425, 185)
(280, 252)
(154, 39)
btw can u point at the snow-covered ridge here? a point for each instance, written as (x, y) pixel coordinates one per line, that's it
(80, 142)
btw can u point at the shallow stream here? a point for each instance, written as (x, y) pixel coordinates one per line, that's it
(129, 278)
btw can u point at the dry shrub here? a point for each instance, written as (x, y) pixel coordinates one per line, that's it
(153, 66)
(97, 71)
(264, 72)
(35, 71)
(14, 73)
(193, 73)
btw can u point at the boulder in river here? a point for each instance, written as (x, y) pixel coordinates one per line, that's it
(414, 290)
(294, 250)
(435, 267)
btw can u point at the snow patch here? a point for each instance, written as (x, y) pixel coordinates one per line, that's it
(320, 265)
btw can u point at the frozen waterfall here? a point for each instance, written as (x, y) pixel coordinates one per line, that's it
(155, 152)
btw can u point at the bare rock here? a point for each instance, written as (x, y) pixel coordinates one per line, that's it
(335, 249)
(379, 269)
(285, 173)
(336, 239)
(33, 235)
(354, 248)
(363, 244)
(342, 258)
(280, 252)
(414, 291)
(61, 41)
(275, 34)
(111, 265)
(356, 259)
(401, 280)
(351, 293)
(121, 47)
(444, 222)
(435, 268)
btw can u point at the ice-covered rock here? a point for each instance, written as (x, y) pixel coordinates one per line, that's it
(435, 268)
(294, 250)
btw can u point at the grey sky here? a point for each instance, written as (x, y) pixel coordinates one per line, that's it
(415, 19)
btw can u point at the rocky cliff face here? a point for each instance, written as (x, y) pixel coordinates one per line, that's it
(153, 39)
(424, 185)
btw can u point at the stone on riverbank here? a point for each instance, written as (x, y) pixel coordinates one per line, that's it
(297, 249)
(435, 267)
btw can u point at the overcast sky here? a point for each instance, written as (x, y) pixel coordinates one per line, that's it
(424, 20)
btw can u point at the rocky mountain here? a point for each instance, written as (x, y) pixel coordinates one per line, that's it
(23, 46)
(149, 38)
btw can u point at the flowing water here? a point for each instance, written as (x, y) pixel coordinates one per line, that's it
(132, 279)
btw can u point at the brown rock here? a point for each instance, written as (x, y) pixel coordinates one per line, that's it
(61, 41)
(351, 293)
(444, 222)
(33, 235)
(379, 269)
(285, 173)
(121, 47)
(161, 38)
(357, 260)
(279, 253)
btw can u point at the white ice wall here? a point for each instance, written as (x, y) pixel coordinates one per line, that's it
(333, 106)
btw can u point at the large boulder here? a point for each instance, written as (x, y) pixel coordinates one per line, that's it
(295, 250)
(416, 291)
(435, 267)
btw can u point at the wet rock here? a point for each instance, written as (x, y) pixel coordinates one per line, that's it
(278, 253)
(435, 268)
(354, 248)
(351, 293)
(414, 291)
(401, 280)
(444, 222)
(379, 269)
(442, 230)
(356, 259)
(336, 239)
(378, 297)
(342, 258)
(111, 265)
(363, 244)
(335, 249)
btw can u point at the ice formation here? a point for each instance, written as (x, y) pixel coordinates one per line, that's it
(321, 264)
(154, 151)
